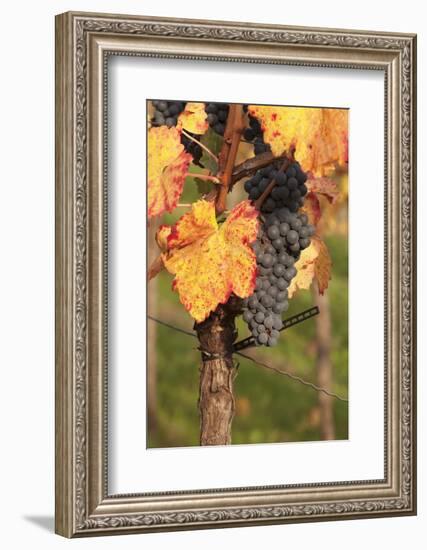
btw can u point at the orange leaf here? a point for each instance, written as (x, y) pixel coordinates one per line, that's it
(193, 118)
(167, 168)
(318, 186)
(314, 263)
(323, 186)
(312, 208)
(319, 136)
(210, 261)
(323, 266)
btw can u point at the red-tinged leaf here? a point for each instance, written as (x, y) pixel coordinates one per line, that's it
(167, 168)
(314, 263)
(312, 208)
(323, 186)
(193, 118)
(210, 262)
(318, 136)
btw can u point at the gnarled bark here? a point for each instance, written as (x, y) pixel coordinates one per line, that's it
(217, 373)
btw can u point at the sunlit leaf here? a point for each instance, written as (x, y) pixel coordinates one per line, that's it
(167, 168)
(318, 136)
(210, 261)
(315, 263)
(193, 118)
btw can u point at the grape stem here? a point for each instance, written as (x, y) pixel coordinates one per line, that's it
(208, 151)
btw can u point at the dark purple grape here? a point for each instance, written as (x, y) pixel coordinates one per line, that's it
(267, 301)
(303, 232)
(284, 228)
(277, 323)
(292, 183)
(249, 134)
(279, 270)
(263, 338)
(296, 224)
(282, 284)
(267, 260)
(273, 232)
(272, 291)
(247, 316)
(259, 317)
(281, 296)
(254, 193)
(292, 236)
(278, 243)
(248, 185)
(281, 178)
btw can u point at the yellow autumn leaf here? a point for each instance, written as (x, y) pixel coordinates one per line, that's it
(314, 263)
(210, 261)
(167, 169)
(318, 136)
(193, 118)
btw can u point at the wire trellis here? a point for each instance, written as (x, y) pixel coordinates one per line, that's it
(248, 342)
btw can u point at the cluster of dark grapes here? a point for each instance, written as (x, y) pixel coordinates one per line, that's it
(283, 234)
(167, 113)
(255, 135)
(217, 114)
(289, 191)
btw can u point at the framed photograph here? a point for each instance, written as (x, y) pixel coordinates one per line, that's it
(235, 274)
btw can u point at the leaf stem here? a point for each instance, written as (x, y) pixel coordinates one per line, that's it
(203, 177)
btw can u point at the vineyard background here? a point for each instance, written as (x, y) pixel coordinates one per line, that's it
(269, 408)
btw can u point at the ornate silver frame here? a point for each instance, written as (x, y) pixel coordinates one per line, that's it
(83, 42)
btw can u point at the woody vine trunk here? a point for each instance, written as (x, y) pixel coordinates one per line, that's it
(216, 401)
